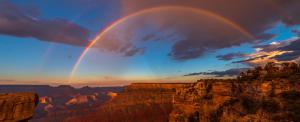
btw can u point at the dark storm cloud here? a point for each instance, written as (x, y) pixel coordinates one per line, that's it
(287, 50)
(231, 56)
(288, 56)
(291, 10)
(230, 72)
(20, 22)
(273, 47)
(294, 47)
(255, 16)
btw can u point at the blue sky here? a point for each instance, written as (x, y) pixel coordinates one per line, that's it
(39, 55)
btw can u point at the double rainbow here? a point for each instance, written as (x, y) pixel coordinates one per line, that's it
(156, 9)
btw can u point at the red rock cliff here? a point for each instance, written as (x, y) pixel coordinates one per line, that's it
(140, 102)
(17, 106)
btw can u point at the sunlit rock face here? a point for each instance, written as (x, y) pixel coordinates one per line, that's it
(140, 102)
(45, 100)
(230, 100)
(82, 99)
(78, 99)
(112, 94)
(17, 106)
(211, 100)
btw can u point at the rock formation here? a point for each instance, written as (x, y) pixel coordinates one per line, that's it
(209, 100)
(230, 101)
(17, 106)
(53, 100)
(264, 94)
(140, 102)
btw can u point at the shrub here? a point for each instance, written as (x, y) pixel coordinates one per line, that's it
(290, 95)
(270, 106)
(249, 105)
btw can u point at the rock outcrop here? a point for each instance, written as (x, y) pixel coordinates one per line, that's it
(140, 102)
(17, 106)
(230, 101)
(263, 94)
(211, 100)
(58, 103)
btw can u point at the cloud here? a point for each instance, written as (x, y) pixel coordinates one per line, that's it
(275, 45)
(229, 72)
(293, 51)
(288, 56)
(201, 34)
(190, 35)
(116, 41)
(20, 22)
(260, 57)
(287, 50)
(291, 11)
(231, 56)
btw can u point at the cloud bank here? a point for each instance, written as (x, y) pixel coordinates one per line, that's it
(230, 56)
(203, 34)
(191, 34)
(229, 72)
(287, 50)
(16, 21)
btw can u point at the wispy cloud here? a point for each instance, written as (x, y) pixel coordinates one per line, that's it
(231, 56)
(229, 72)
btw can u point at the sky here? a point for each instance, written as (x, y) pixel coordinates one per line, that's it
(116, 42)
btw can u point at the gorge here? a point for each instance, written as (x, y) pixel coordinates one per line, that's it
(265, 94)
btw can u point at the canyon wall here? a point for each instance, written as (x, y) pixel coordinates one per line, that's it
(58, 103)
(17, 106)
(140, 102)
(230, 101)
(209, 100)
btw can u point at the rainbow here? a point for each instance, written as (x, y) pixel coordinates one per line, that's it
(156, 9)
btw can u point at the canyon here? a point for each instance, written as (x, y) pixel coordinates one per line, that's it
(262, 94)
(57, 103)
(141, 102)
(209, 100)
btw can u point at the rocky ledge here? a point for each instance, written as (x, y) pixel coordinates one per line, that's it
(17, 106)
